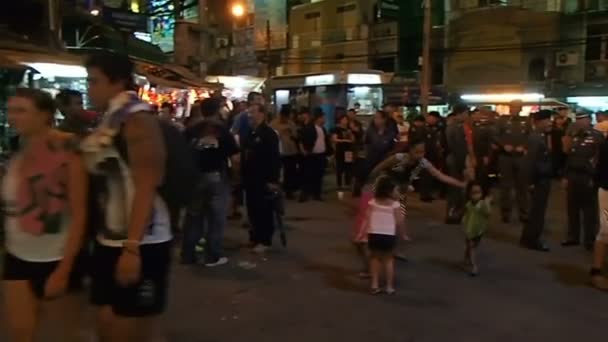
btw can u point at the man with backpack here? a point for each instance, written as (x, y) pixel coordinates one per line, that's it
(144, 172)
(213, 146)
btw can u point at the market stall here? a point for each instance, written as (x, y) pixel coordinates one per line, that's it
(165, 84)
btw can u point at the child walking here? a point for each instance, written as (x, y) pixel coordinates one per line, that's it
(476, 221)
(382, 221)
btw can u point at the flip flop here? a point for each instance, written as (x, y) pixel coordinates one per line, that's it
(390, 292)
(375, 291)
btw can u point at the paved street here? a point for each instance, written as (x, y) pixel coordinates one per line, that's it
(310, 292)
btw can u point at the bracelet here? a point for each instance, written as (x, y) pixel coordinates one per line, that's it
(131, 250)
(131, 242)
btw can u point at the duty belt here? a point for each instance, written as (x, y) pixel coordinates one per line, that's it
(514, 153)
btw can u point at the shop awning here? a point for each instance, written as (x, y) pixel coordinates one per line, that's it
(29, 57)
(114, 40)
(172, 76)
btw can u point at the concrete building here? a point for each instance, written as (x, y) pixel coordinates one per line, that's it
(342, 35)
(555, 48)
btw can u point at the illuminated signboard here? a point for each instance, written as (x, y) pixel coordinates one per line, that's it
(162, 25)
(146, 37)
(320, 80)
(364, 79)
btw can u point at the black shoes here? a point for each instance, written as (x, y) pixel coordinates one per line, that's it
(538, 246)
(570, 243)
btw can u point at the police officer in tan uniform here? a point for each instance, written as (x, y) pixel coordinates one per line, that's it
(483, 134)
(539, 171)
(583, 144)
(511, 141)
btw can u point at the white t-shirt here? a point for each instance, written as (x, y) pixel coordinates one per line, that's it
(382, 218)
(25, 246)
(320, 142)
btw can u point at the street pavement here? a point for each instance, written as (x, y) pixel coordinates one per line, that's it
(310, 291)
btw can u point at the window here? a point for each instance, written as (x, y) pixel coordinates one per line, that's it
(536, 70)
(313, 15)
(597, 42)
(346, 8)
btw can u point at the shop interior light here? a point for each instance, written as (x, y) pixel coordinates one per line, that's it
(504, 97)
(364, 79)
(320, 80)
(237, 93)
(589, 101)
(58, 70)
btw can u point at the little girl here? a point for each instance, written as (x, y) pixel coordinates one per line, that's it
(382, 220)
(476, 220)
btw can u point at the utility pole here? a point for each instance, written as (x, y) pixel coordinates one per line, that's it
(268, 41)
(425, 82)
(54, 22)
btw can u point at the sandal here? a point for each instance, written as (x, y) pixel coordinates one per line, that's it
(390, 291)
(375, 291)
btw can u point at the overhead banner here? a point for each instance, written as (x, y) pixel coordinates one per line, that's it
(274, 13)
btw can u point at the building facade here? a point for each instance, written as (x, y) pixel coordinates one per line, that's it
(554, 48)
(345, 35)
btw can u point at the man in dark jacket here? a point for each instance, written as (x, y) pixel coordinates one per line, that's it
(261, 168)
(315, 148)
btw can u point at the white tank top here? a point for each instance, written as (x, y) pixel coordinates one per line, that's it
(45, 247)
(116, 196)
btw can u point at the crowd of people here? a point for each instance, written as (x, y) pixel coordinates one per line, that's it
(104, 198)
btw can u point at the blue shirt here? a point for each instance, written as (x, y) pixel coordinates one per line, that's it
(241, 125)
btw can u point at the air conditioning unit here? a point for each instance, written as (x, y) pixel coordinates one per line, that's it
(566, 58)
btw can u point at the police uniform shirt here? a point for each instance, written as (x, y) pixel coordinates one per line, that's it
(456, 142)
(514, 131)
(433, 140)
(584, 150)
(482, 137)
(539, 159)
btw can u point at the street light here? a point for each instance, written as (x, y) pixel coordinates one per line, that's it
(95, 12)
(238, 10)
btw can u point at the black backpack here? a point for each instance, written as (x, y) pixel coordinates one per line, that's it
(178, 187)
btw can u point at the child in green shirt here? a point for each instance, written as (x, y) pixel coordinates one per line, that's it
(476, 221)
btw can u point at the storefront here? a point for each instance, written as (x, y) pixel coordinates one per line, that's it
(236, 88)
(500, 102)
(50, 72)
(591, 104)
(330, 90)
(170, 84)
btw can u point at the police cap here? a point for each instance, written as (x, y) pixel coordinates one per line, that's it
(460, 108)
(544, 114)
(435, 114)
